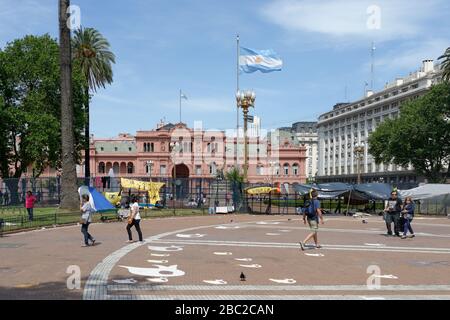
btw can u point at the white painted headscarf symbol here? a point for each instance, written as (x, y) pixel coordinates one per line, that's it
(157, 272)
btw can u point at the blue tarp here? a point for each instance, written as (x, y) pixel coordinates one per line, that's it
(96, 199)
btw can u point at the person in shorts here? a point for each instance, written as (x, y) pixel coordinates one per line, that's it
(312, 214)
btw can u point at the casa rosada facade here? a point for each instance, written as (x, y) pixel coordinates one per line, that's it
(174, 150)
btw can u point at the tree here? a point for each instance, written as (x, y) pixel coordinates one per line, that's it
(92, 52)
(420, 136)
(237, 179)
(69, 195)
(30, 130)
(446, 64)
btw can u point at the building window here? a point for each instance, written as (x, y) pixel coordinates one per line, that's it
(115, 148)
(130, 168)
(162, 169)
(286, 169)
(259, 170)
(295, 169)
(129, 148)
(101, 167)
(198, 170)
(212, 169)
(101, 149)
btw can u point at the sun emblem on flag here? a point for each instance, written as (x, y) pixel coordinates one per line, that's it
(258, 59)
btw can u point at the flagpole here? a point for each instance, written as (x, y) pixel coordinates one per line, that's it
(237, 89)
(180, 105)
(371, 66)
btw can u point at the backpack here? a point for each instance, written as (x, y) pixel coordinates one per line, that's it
(309, 209)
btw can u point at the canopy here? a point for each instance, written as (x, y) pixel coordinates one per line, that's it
(426, 191)
(262, 190)
(375, 191)
(364, 191)
(96, 199)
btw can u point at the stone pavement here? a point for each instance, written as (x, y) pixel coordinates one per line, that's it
(203, 257)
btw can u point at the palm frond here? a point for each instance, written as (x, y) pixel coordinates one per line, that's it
(92, 51)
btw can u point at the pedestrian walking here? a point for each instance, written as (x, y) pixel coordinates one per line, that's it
(30, 199)
(392, 214)
(134, 219)
(312, 213)
(408, 215)
(285, 204)
(227, 199)
(86, 218)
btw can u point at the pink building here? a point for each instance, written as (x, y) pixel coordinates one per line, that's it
(176, 150)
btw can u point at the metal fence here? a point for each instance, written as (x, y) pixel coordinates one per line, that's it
(203, 194)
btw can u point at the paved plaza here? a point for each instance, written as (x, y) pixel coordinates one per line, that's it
(203, 257)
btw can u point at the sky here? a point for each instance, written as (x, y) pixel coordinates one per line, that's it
(162, 46)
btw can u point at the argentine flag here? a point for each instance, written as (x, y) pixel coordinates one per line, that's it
(262, 60)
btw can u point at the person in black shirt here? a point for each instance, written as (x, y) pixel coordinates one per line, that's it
(392, 214)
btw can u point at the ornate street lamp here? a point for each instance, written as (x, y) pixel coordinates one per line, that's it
(175, 146)
(245, 100)
(359, 155)
(149, 169)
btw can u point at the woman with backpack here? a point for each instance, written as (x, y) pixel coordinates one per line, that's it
(312, 213)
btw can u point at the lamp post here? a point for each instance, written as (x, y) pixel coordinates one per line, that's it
(149, 169)
(359, 154)
(245, 100)
(272, 168)
(175, 147)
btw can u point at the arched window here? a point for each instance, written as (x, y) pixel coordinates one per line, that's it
(295, 169)
(145, 146)
(130, 168)
(152, 147)
(101, 167)
(286, 169)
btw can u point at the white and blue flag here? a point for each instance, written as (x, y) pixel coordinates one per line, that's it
(262, 60)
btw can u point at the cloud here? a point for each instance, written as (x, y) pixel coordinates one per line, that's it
(409, 56)
(24, 17)
(203, 105)
(338, 19)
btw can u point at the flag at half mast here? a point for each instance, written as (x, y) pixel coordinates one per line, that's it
(263, 60)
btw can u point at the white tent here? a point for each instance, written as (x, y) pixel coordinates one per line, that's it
(426, 191)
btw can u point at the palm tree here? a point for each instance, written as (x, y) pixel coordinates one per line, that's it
(92, 51)
(446, 64)
(69, 194)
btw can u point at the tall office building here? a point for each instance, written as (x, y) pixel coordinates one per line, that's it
(350, 124)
